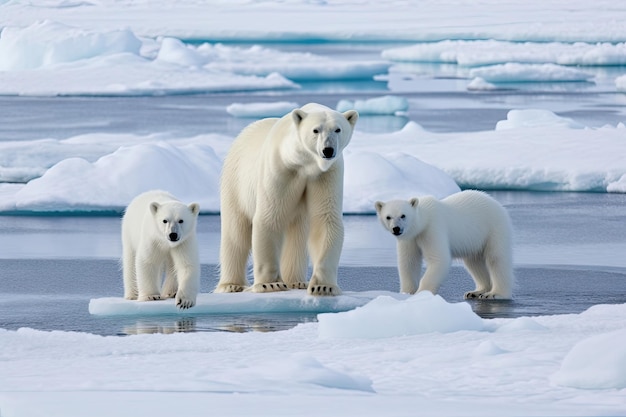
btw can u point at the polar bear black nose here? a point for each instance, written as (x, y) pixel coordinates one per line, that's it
(396, 231)
(328, 152)
(173, 237)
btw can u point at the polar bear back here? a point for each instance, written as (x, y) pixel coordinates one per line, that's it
(471, 219)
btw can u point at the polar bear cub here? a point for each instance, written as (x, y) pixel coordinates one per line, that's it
(159, 238)
(281, 198)
(469, 225)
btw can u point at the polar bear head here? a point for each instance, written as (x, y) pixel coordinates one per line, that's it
(324, 132)
(174, 220)
(398, 217)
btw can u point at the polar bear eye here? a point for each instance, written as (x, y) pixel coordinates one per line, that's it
(388, 217)
(316, 131)
(403, 216)
(180, 221)
(164, 220)
(338, 130)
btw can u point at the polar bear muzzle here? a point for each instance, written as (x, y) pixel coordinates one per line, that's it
(328, 152)
(174, 232)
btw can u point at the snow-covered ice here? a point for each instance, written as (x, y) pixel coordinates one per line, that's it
(620, 82)
(420, 356)
(336, 20)
(530, 150)
(596, 362)
(514, 72)
(387, 316)
(50, 58)
(378, 105)
(261, 110)
(54, 48)
(492, 52)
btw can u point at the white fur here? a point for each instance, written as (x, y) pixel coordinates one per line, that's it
(279, 194)
(159, 237)
(469, 225)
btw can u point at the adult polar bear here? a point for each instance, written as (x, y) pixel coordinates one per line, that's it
(159, 238)
(281, 191)
(469, 225)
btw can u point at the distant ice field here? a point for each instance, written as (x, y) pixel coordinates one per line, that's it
(55, 140)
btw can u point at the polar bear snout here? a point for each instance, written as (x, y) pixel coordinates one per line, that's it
(173, 232)
(396, 230)
(328, 152)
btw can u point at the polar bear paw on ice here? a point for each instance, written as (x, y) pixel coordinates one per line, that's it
(469, 225)
(281, 198)
(159, 239)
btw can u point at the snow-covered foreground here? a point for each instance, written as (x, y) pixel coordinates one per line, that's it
(530, 150)
(417, 356)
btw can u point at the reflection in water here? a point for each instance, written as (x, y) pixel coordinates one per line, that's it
(235, 323)
(493, 308)
(160, 325)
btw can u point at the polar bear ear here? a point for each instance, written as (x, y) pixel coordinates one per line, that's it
(195, 208)
(154, 207)
(351, 116)
(413, 202)
(379, 206)
(298, 116)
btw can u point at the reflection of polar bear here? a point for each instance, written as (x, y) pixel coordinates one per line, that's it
(281, 189)
(159, 237)
(469, 225)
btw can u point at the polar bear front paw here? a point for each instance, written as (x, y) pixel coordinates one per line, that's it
(151, 297)
(322, 290)
(229, 288)
(494, 296)
(269, 287)
(485, 295)
(185, 303)
(473, 294)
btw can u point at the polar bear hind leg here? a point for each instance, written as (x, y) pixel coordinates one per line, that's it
(500, 268)
(477, 268)
(498, 254)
